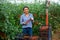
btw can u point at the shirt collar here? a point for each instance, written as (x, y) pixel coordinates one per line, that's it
(24, 14)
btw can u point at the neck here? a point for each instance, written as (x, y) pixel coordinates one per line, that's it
(26, 13)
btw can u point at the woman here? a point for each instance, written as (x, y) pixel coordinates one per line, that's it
(26, 20)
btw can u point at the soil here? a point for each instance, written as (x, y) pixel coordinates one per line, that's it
(56, 35)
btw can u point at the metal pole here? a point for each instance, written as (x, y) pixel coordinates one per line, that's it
(46, 13)
(47, 5)
(47, 24)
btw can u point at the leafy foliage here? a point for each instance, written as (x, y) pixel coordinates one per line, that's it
(10, 17)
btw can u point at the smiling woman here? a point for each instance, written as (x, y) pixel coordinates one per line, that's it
(26, 21)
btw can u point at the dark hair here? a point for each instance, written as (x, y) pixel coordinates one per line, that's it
(25, 7)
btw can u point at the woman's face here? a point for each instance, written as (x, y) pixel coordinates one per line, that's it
(26, 10)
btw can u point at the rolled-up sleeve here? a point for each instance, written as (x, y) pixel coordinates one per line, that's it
(32, 17)
(21, 20)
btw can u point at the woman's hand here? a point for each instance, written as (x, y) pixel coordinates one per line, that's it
(31, 19)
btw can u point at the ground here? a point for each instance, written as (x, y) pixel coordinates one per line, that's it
(56, 35)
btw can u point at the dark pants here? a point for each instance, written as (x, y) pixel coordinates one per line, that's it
(27, 31)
